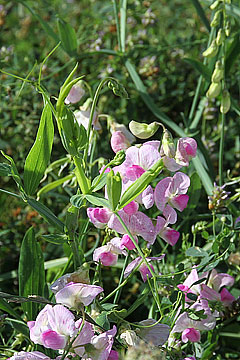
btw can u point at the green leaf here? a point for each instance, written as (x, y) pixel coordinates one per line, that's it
(31, 275)
(6, 307)
(46, 213)
(103, 321)
(54, 184)
(108, 306)
(114, 189)
(77, 200)
(101, 183)
(196, 252)
(5, 169)
(14, 172)
(97, 200)
(200, 67)
(39, 155)
(67, 36)
(56, 238)
(192, 296)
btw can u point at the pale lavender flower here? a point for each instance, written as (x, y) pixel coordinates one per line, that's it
(74, 294)
(75, 94)
(100, 346)
(143, 268)
(157, 334)
(33, 355)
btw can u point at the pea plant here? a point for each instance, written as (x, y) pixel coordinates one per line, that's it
(136, 281)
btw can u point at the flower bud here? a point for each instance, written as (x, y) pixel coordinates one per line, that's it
(214, 90)
(216, 19)
(227, 29)
(212, 50)
(118, 158)
(225, 102)
(218, 73)
(215, 5)
(143, 130)
(75, 94)
(220, 37)
(168, 144)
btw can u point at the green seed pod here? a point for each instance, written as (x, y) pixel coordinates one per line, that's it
(216, 19)
(140, 184)
(227, 29)
(225, 102)
(213, 90)
(215, 5)
(142, 130)
(168, 144)
(220, 37)
(218, 73)
(212, 50)
(114, 188)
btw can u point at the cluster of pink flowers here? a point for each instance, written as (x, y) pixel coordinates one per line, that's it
(211, 296)
(168, 195)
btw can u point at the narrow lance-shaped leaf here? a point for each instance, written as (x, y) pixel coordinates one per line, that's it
(67, 36)
(31, 272)
(39, 155)
(14, 173)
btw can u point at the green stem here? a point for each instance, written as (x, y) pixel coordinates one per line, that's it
(115, 8)
(221, 150)
(118, 293)
(81, 178)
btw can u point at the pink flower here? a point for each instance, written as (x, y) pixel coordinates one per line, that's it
(226, 297)
(143, 268)
(113, 355)
(102, 346)
(131, 208)
(168, 234)
(138, 224)
(191, 334)
(172, 190)
(53, 327)
(108, 254)
(99, 216)
(33, 355)
(190, 328)
(74, 294)
(119, 141)
(127, 242)
(186, 150)
(75, 94)
(83, 338)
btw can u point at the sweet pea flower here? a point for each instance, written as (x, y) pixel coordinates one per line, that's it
(190, 329)
(100, 346)
(33, 355)
(83, 116)
(168, 234)
(186, 150)
(119, 141)
(75, 94)
(53, 327)
(74, 294)
(99, 216)
(143, 268)
(138, 224)
(113, 355)
(108, 254)
(85, 336)
(172, 190)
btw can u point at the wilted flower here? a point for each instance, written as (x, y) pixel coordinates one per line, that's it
(79, 276)
(156, 334)
(218, 198)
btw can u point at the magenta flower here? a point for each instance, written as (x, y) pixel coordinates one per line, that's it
(75, 94)
(108, 254)
(131, 208)
(74, 294)
(119, 141)
(99, 216)
(53, 327)
(113, 355)
(143, 268)
(186, 150)
(127, 242)
(168, 234)
(172, 190)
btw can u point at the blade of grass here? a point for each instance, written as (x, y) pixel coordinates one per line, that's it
(201, 14)
(123, 11)
(115, 8)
